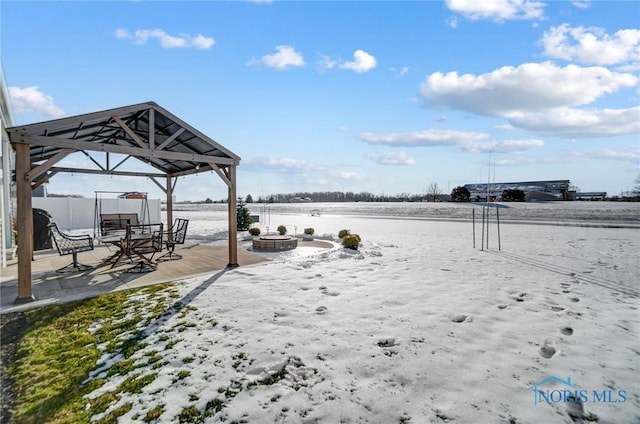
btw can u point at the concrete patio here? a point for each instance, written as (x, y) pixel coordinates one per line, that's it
(50, 287)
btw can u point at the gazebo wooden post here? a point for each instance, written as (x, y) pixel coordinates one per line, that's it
(233, 224)
(25, 222)
(169, 192)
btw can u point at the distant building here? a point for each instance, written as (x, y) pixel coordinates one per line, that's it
(534, 190)
(592, 195)
(300, 200)
(133, 195)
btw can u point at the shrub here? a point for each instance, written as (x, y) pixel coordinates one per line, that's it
(343, 233)
(351, 241)
(460, 194)
(255, 231)
(309, 231)
(282, 230)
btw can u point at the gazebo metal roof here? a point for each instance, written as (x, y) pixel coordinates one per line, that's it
(145, 131)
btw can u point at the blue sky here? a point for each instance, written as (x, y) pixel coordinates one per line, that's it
(382, 97)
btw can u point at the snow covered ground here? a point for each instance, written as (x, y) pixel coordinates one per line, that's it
(417, 326)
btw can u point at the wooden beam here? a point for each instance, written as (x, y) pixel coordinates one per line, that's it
(233, 224)
(170, 139)
(129, 131)
(221, 174)
(152, 128)
(42, 180)
(80, 119)
(40, 169)
(169, 194)
(25, 222)
(36, 140)
(106, 172)
(95, 161)
(164, 190)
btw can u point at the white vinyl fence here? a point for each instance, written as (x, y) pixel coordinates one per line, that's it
(71, 213)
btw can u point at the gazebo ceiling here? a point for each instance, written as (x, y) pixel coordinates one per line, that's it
(143, 131)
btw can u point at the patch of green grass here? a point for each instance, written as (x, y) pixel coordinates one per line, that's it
(154, 414)
(238, 359)
(153, 356)
(121, 367)
(190, 414)
(188, 359)
(172, 343)
(181, 375)
(182, 326)
(135, 383)
(59, 348)
(112, 417)
(213, 406)
(185, 311)
(269, 380)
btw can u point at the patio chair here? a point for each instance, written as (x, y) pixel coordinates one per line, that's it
(176, 234)
(144, 241)
(70, 245)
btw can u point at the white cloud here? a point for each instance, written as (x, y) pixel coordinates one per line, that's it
(362, 62)
(581, 4)
(531, 87)
(592, 45)
(31, 99)
(401, 72)
(582, 123)
(497, 10)
(180, 41)
(505, 127)
(506, 146)
(633, 157)
(279, 164)
(285, 57)
(300, 171)
(426, 138)
(465, 141)
(391, 158)
(325, 63)
(346, 175)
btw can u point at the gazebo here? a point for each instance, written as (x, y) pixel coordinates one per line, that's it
(145, 131)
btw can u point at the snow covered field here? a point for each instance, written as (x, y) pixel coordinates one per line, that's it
(418, 326)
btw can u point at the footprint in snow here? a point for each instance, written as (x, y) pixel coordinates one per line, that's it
(547, 350)
(321, 310)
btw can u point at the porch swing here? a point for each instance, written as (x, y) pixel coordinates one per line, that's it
(105, 224)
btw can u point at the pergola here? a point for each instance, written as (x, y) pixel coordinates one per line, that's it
(145, 131)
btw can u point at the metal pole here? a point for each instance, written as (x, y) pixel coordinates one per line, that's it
(488, 214)
(498, 219)
(482, 244)
(473, 219)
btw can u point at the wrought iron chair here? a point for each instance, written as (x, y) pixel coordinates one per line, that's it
(68, 244)
(176, 234)
(144, 241)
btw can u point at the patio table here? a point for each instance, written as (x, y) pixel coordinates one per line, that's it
(118, 240)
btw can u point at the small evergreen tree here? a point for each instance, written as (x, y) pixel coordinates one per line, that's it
(460, 194)
(249, 199)
(243, 216)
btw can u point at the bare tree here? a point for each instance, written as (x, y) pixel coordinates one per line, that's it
(433, 192)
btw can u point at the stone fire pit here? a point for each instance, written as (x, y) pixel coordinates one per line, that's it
(275, 242)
